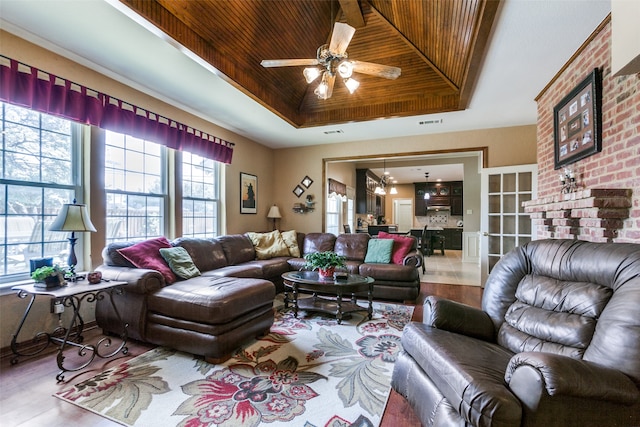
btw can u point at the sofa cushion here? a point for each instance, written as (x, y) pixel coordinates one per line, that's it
(111, 256)
(473, 381)
(211, 300)
(237, 248)
(390, 272)
(291, 240)
(180, 262)
(352, 246)
(379, 251)
(318, 242)
(146, 254)
(554, 316)
(268, 245)
(207, 254)
(401, 247)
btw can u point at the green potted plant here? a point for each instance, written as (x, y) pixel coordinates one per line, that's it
(48, 276)
(325, 262)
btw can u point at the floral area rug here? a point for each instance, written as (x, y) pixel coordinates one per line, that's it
(307, 372)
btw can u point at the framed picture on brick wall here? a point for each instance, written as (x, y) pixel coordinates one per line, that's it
(577, 122)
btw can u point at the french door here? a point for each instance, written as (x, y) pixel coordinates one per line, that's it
(503, 222)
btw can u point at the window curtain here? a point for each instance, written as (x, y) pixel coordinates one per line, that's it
(32, 88)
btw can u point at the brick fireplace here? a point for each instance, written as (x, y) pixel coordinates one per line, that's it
(594, 215)
(606, 207)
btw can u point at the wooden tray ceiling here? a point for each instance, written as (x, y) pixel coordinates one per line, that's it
(438, 44)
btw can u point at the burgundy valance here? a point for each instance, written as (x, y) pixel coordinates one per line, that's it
(337, 187)
(32, 88)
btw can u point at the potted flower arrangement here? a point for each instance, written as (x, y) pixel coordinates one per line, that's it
(48, 276)
(325, 262)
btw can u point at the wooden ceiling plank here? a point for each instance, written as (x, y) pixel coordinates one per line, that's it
(352, 12)
(415, 49)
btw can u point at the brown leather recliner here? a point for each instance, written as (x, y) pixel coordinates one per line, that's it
(557, 343)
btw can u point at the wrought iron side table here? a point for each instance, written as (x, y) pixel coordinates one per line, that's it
(71, 296)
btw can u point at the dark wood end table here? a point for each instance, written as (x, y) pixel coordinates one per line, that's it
(311, 282)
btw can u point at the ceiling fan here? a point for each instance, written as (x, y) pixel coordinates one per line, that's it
(332, 61)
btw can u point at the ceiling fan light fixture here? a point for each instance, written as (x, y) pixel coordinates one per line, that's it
(322, 91)
(351, 85)
(310, 74)
(345, 69)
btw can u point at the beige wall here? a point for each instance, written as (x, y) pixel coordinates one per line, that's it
(505, 146)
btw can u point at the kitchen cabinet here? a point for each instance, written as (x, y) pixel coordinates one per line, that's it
(453, 238)
(457, 207)
(367, 202)
(420, 208)
(440, 194)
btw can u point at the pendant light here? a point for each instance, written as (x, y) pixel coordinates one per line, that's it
(426, 191)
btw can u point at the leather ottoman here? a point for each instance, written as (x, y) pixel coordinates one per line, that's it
(210, 316)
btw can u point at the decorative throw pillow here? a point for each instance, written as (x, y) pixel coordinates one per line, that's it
(268, 245)
(401, 246)
(147, 255)
(180, 262)
(291, 240)
(379, 251)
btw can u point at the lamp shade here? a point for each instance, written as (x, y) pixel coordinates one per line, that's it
(72, 217)
(274, 212)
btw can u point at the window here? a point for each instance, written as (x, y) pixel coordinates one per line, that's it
(39, 172)
(200, 178)
(136, 190)
(334, 205)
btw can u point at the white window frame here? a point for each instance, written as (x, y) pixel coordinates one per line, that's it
(123, 223)
(202, 222)
(26, 244)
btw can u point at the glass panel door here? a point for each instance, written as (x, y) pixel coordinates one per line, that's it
(504, 224)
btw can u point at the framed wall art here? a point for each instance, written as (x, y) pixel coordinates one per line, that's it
(298, 191)
(307, 181)
(248, 193)
(577, 122)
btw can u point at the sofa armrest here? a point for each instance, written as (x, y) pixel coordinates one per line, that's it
(460, 318)
(413, 259)
(532, 374)
(139, 280)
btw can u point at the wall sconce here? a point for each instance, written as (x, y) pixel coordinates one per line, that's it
(568, 182)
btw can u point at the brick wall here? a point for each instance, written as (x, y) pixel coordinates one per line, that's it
(618, 165)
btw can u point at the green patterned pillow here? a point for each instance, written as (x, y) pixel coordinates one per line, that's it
(379, 251)
(180, 262)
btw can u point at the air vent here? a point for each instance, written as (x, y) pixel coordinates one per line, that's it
(430, 122)
(330, 132)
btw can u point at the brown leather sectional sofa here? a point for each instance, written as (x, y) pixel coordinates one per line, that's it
(557, 343)
(231, 302)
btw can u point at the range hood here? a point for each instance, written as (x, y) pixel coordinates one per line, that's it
(438, 208)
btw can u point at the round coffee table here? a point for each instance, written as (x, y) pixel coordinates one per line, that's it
(311, 282)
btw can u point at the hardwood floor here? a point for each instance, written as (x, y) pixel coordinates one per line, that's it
(26, 389)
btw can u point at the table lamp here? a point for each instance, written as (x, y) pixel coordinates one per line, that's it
(274, 213)
(73, 217)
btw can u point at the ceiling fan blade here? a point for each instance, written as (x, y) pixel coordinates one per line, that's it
(330, 82)
(386, 71)
(341, 37)
(267, 63)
